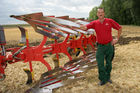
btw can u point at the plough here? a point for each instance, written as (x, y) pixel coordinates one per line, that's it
(75, 40)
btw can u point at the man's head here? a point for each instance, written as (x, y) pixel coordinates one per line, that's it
(100, 13)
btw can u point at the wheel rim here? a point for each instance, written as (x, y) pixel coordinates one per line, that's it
(2, 77)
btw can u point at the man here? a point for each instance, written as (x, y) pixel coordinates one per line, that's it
(103, 28)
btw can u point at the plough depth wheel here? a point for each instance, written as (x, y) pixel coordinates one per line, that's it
(2, 77)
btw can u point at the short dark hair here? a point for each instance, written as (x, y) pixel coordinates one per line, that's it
(100, 8)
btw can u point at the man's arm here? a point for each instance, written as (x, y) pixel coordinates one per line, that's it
(119, 34)
(91, 25)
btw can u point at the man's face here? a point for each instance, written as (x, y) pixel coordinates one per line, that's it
(100, 13)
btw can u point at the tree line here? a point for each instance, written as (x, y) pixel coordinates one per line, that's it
(125, 12)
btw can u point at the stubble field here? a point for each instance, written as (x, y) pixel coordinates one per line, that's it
(125, 72)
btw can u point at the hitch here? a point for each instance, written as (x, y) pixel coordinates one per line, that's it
(2, 54)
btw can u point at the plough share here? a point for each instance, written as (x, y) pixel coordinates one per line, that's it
(74, 41)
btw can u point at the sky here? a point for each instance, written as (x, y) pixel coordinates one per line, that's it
(73, 8)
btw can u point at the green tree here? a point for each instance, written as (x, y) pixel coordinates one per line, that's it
(122, 11)
(92, 14)
(136, 11)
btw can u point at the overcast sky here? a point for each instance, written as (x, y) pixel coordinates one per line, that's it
(73, 8)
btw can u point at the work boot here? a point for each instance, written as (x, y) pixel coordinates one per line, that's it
(101, 83)
(110, 81)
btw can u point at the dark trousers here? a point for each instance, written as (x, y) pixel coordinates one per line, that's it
(104, 52)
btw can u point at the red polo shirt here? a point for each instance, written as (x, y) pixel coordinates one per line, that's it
(103, 30)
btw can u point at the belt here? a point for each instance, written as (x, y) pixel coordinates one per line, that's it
(103, 44)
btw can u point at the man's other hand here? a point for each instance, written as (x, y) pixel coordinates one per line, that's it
(114, 41)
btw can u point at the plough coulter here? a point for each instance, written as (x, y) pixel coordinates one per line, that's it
(74, 41)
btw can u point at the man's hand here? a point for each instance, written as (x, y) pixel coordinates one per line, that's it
(83, 27)
(114, 41)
